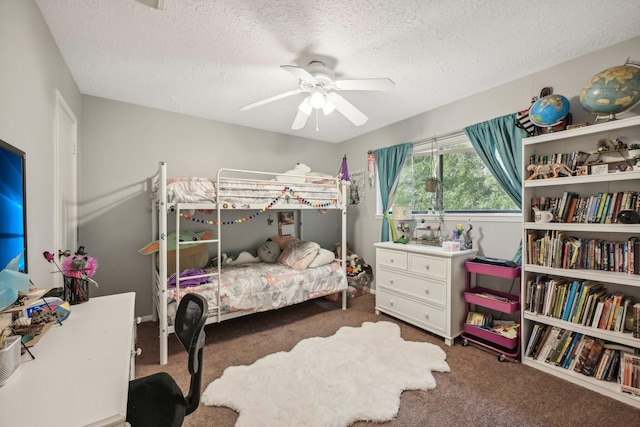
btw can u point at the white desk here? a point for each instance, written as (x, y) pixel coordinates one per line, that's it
(80, 375)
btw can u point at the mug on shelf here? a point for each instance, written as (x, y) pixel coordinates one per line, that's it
(543, 216)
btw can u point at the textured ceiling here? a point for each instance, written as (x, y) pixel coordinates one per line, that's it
(207, 58)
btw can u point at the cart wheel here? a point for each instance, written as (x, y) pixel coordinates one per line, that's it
(465, 342)
(501, 358)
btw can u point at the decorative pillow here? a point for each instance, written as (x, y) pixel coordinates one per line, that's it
(299, 254)
(324, 257)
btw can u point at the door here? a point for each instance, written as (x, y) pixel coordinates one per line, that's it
(65, 180)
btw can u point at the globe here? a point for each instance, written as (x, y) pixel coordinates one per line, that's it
(612, 91)
(549, 110)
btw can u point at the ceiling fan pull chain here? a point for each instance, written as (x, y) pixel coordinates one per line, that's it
(317, 121)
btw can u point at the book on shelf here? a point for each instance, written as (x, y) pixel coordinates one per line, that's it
(602, 364)
(598, 296)
(550, 343)
(588, 288)
(543, 340)
(614, 367)
(636, 320)
(534, 339)
(561, 348)
(593, 358)
(570, 354)
(584, 352)
(597, 312)
(630, 373)
(577, 351)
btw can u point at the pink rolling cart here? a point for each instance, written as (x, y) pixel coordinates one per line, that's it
(494, 300)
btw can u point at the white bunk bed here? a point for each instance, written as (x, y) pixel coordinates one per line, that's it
(252, 191)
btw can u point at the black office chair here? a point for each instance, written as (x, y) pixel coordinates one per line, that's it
(156, 400)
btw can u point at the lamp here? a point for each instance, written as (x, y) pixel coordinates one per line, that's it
(402, 214)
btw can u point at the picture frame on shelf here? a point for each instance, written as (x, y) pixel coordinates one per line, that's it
(601, 169)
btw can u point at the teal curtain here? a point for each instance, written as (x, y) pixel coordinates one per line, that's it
(503, 137)
(389, 161)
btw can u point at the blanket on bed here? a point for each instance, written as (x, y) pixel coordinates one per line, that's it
(267, 286)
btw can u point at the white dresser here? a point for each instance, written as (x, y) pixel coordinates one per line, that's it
(422, 285)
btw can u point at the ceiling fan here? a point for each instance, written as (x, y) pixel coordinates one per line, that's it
(318, 81)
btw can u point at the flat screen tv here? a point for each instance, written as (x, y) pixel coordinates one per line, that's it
(13, 209)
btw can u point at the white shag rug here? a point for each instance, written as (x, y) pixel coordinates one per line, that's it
(356, 374)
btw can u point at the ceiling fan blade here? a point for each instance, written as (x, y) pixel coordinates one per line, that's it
(347, 109)
(328, 107)
(271, 99)
(299, 72)
(365, 84)
(300, 120)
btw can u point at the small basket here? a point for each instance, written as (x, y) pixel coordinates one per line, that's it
(76, 290)
(9, 358)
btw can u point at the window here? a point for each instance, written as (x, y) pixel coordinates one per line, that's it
(464, 183)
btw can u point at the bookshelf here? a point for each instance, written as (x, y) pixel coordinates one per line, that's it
(577, 255)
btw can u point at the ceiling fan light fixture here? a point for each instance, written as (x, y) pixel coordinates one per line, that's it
(317, 100)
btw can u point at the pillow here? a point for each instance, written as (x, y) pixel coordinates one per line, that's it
(299, 254)
(324, 257)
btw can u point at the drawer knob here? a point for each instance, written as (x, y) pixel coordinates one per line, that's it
(426, 266)
(391, 260)
(391, 281)
(426, 291)
(391, 303)
(426, 315)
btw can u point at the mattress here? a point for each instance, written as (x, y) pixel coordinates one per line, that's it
(267, 286)
(239, 193)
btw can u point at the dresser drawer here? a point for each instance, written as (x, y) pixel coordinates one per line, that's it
(417, 313)
(418, 287)
(430, 266)
(394, 259)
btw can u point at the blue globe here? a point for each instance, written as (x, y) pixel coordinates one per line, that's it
(612, 91)
(549, 110)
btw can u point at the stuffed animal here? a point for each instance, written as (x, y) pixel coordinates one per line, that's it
(267, 252)
(298, 173)
(192, 255)
(185, 236)
(80, 266)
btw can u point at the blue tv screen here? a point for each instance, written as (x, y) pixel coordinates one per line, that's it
(13, 224)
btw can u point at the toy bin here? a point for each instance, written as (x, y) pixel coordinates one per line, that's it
(9, 358)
